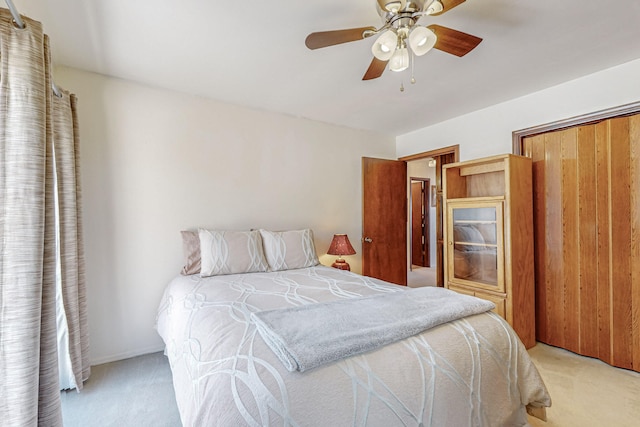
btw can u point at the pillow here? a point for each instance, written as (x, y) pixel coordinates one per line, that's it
(191, 250)
(286, 250)
(231, 252)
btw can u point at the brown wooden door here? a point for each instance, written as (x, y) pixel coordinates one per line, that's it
(587, 231)
(384, 219)
(420, 222)
(417, 252)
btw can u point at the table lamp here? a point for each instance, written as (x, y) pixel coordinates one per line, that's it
(340, 245)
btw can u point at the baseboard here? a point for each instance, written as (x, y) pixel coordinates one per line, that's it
(126, 355)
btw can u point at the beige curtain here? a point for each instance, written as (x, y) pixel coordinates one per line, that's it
(74, 348)
(29, 259)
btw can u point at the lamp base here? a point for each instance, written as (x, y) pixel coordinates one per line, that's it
(341, 264)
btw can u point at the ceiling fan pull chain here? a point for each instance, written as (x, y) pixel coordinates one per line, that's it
(401, 86)
(413, 58)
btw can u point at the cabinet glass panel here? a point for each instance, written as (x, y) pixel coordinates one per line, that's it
(475, 236)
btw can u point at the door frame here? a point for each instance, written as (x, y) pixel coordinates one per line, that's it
(518, 136)
(436, 154)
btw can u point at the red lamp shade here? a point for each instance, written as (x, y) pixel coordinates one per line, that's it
(340, 245)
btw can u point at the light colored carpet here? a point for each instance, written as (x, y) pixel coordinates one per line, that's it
(586, 391)
(139, 392)
(421, 276)
(131, 392)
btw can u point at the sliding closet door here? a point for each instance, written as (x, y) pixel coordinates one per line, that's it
(587, 239)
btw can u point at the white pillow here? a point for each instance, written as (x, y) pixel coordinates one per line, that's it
(287, 250)
(231, 252)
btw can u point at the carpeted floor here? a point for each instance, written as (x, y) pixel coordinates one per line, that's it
(586, 392)
(138, 392)
(131, 392)
(421, 276)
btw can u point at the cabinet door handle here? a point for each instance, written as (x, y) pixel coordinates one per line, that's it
(368, 239)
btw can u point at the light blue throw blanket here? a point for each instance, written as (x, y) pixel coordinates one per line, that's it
(309, 336)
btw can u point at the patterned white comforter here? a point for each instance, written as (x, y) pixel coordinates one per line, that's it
(470, 372)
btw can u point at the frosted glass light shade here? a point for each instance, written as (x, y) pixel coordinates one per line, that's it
(400, 59)
(391, 5)
(434, 7)
(421, 40)
(385, 45)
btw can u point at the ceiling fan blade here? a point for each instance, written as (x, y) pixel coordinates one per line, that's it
(447, 5)
(330, 38)
(375, 70)
(453, 41)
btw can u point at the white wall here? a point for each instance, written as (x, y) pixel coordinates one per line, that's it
(154, 162)
(488, 132)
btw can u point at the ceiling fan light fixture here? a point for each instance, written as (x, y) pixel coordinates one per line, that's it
(385, 45)
(434, 7)
(421, 40)
(400, 59)
(392, 6)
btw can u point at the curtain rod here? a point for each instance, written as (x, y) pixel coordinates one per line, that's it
(15, 14)
(20, 24)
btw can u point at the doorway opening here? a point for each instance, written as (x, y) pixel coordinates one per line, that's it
(418, 166)
(421, 232)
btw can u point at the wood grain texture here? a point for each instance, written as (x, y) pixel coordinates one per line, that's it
(570, 234)
(503, 183)
(586, 183)
(453, 41)
(330, 38)
(587, 242)
(553, 241)
(519, 249)
(537, 151)
(419, 254)
(375, 70)
(634, 172)
(603, 254)
(384, 219)
(486, 184)
(620, 242)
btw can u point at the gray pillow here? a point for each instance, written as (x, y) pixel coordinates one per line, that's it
(285, 250)
(191, 250)
(231, 252)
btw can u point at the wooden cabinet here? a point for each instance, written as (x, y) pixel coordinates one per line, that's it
(489, 236)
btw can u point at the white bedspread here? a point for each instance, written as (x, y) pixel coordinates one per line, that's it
(470, 372)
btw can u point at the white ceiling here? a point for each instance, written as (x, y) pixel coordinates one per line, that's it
(252, 53)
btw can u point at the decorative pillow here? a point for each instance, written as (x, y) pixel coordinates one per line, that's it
(286, 250)
(191, 250)
(231, 252)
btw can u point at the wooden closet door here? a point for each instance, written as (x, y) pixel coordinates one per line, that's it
(587, 239)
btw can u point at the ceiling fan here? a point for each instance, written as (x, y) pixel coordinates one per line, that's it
(400, 36)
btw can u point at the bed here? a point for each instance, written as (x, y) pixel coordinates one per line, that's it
(473, 371)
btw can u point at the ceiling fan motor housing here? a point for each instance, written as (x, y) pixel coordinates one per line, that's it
(394, 7)
(401, 14)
